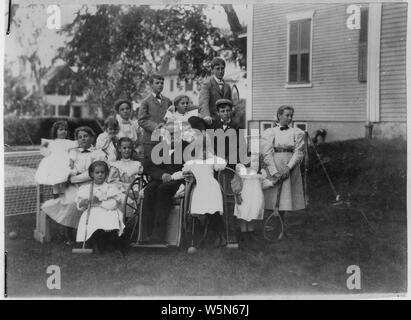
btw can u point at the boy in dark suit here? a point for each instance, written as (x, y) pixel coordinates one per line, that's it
(152, 111)
(213, 89)
(224, 122)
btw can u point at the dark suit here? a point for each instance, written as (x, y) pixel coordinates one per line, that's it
(210, 92)
(233, 155)
(150, 114)
(230, 153)
(158, 198)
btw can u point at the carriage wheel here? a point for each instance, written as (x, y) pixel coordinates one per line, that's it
(273, 228)
(131, 207)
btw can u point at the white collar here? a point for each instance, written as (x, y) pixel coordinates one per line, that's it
(155, 96)
(218, 80)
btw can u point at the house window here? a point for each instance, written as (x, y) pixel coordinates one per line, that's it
(77, 111)
(362, 46)
(299, 48)
(64, 110)
(301, 125)
(171, 85)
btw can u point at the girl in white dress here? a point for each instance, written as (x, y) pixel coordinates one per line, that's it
(125, 170)
(54, 168)
(282, 149)
(128, 127)
(177, 127)
(105, 216)
(251, 205)
(207, 196)
(63, 210)
(107, 140)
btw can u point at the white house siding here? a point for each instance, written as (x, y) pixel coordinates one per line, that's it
(336, 94)
(393, 104)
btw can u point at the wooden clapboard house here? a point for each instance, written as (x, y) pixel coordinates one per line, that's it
(342, 66)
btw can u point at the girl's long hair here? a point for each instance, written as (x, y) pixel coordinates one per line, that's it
(55, 126)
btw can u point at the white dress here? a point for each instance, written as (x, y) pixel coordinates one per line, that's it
(207, 197)
(252, 206)
(105, 216)
(123, 172)
(290, 152)
(54, 167)
(105, 143)
(128, 128)
(63, 210)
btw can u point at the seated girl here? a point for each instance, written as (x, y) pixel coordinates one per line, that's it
(105, 222)
(206, 197)
(125, 170)
(63, 209)
(177, 117)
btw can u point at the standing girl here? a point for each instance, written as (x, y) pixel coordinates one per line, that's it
(282, 149)
(127, 126)
(105, 220)
(251, 205)
(107, 140)
(54, 169)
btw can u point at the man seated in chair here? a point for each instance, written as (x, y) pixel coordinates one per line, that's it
(159, 197)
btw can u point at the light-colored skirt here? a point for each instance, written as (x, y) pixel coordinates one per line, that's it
(63, 210)
(100, 218)
(292, 192)
(252, 206)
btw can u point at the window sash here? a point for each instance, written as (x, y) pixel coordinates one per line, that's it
(296, 40)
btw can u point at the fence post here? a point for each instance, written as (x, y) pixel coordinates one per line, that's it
(42, 231)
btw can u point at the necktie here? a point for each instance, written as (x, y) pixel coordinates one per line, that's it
(85, 151)
(221, 85)
(284, 128)
(158, 96)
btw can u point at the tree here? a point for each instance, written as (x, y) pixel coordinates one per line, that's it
(238, 46)
(29, 43)
(18, 99)
(116, 47)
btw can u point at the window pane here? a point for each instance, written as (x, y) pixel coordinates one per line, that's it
(293, 36)
(305, 67)
(189, 85)
(64, 110)
(305, 30)
(293, 68)
(364, 24)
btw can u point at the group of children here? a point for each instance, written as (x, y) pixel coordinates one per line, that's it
(71, 167)
(89, 183)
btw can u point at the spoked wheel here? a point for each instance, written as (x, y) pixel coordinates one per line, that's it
(273, 228)
(131, 207)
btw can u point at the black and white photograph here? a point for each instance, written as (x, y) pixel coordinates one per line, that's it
(176, 150)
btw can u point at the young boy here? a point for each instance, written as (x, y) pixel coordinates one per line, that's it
(152, 111)
(212, 90)
(231, 131)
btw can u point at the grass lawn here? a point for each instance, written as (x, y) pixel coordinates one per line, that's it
(314, 260)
